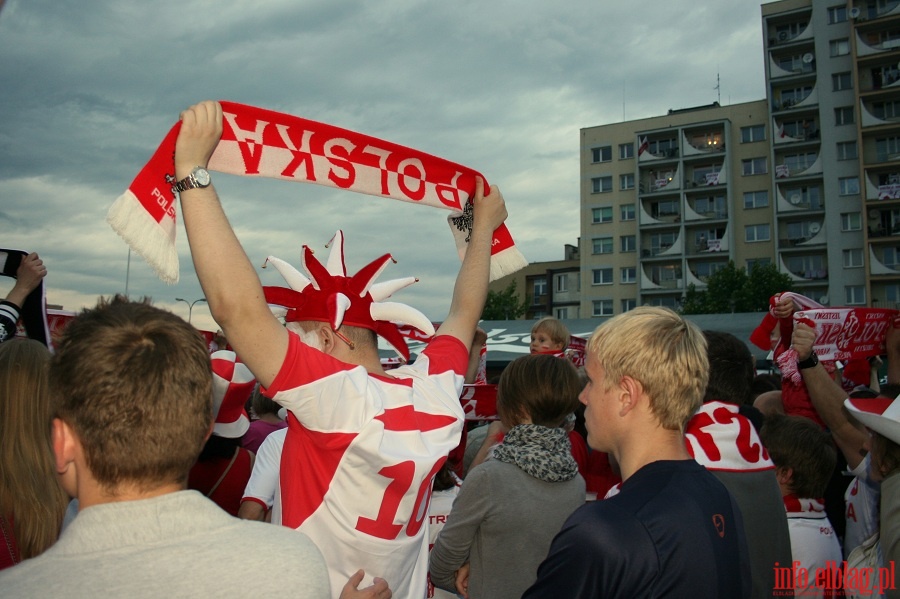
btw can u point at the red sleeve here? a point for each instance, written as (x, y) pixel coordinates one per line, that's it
(446, 352)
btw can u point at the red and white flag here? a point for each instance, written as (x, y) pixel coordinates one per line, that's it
(644, 146)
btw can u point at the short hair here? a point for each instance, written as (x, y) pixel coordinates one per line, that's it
(731, 369)
(135, 384)
(543, 387)
(262, 404)
(661, 350)
(554, 327)
(360, 336)
(800, 444)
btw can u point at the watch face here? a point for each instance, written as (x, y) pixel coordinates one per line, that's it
(202, 176)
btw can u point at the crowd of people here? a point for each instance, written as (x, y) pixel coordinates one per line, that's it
(291, 460)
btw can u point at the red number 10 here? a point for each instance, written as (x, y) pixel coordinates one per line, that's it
(401, 476)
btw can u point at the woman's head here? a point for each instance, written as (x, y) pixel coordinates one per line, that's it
(538, 388)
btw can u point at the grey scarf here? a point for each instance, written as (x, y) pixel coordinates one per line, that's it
(544, 453)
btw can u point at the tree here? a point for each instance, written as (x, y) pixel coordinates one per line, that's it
(504, 305)
(732, 289)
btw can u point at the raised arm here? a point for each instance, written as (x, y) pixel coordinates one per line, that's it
(827, 398)
(28, 276)
(230, 284)
(470, 291)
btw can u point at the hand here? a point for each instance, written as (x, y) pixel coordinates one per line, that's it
(462, 580)
(802, 340)
(201, 129)
(378, 590)
(490, 210)
(30, 272)
(784, 307)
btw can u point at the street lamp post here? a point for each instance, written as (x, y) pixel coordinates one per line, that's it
(190, 305)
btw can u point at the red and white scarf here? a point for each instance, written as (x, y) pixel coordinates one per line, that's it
(263, 143)
(720, 438)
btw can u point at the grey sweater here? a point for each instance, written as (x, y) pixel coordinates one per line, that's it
(175, 545)
(502, 523)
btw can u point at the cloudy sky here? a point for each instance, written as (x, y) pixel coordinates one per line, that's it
(88, 89)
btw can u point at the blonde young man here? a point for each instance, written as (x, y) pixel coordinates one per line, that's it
(673, 530)
(363, 444)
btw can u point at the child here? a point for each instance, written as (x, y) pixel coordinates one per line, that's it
(804, 458)
(549, 336)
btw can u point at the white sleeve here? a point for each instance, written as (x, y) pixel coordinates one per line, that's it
(263, 481)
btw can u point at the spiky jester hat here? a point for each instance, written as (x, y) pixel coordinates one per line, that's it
(329, 295)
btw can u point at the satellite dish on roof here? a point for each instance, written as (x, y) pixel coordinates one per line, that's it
(823, 300)
(855, 12)
(814, 228)
(795, 199)
(808, 58)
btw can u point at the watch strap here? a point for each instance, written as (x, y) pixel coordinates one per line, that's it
(809, 362)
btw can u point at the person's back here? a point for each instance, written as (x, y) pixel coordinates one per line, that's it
(723, 440)
(175, 545)
(124, 454)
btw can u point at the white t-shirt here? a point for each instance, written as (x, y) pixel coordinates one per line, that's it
(814, 544)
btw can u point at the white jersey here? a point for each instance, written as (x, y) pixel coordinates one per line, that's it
(263, 485)
(441, 504)
(861, 501)
(814, 544)
(360, 456)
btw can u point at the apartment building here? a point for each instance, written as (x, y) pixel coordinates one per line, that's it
(550, 288)
(667, 201)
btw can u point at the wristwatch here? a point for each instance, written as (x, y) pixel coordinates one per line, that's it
(198, 178)
(809, 362)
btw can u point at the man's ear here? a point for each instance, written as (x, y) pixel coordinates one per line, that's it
(328, 338)
(784, 475)
(64, 445)
(631, 392)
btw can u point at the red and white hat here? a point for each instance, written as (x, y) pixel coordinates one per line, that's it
(232, 385)
(329, 295)
(881, 414)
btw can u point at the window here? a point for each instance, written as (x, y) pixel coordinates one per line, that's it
(601, 184)
(603, 154)
(629, 304)
(855, 294)
(629, 274)
(841, 81)
(756, 199)
(853, 258)
(843, 115)
(758, 262)
(601, 215)
(626, 181)
(849, 185)
(839, 47)
(628, 243)
(753, 133)
(603, 308)
(837, 14)
(890, 258)
(603, 276)
(562, 283)
(887, 148)
(626, 151)
(892, 293)
(846, 150)
(626, 212)
(754, 166)
(886, 111)
(851, 221)
(561, 313)
(540, 287)
(603, 245)
(756, 233)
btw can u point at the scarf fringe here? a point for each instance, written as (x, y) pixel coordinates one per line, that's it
(153, 241)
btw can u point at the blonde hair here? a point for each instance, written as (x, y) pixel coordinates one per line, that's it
(554, 327)
(29, 490)
(661, 350)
